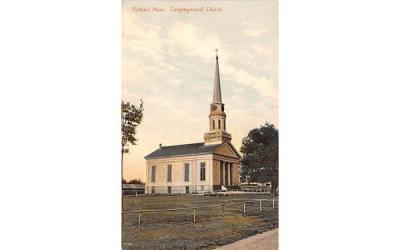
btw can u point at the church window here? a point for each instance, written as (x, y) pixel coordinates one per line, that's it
(153, 173)
(187, 189)
(153, 189)
(202, 171)
(224, 124)
(186, 171)
(213, 122)
(169, 173)
(169, 189)
(219, 124)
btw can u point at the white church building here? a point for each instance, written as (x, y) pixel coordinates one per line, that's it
(197, 167)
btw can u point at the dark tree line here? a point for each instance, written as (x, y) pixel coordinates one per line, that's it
(134, 181)
(260, 151)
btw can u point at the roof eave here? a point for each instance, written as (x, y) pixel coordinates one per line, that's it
(181, 155)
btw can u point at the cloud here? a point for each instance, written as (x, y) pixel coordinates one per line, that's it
(193, 40)
(261, 84)
(255, 32)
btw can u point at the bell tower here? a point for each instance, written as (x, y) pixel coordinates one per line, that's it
(217, 118)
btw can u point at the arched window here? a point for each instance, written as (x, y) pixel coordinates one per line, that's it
(219, 124)
(213, 122)
(224, 124)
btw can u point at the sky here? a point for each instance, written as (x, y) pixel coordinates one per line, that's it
(168, 61)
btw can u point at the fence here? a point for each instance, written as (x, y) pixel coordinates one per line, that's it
(135, 192)
(202, 189)
(255, 189)
(251, 207)
(179, 189)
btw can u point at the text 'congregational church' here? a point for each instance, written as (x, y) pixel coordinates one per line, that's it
(198, 167)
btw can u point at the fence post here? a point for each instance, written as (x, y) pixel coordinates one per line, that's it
(273, 203)
(194, 215)
(222, 210)
(140, 215)
(244, 207)
(260, 207)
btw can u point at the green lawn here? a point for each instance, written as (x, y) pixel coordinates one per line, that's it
(176, 230)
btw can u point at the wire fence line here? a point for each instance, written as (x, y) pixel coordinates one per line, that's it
(223, 208)
(198, 207)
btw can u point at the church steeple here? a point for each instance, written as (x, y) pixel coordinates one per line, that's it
(217, 117)
(217, 84)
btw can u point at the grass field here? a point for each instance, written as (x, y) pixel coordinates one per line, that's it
(176, 229)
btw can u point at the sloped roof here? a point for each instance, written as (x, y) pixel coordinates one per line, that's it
(183, 149)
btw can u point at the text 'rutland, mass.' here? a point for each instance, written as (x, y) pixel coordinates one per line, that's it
(180, 10)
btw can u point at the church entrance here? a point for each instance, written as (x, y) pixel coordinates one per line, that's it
(225, 173)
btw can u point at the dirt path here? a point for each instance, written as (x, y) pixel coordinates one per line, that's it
(264, 241)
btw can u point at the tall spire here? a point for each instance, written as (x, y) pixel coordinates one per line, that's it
(217, 85)
(217, 117)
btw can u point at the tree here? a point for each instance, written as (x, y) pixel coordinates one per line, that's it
(131, 117)
(136, 181)
(260, 160)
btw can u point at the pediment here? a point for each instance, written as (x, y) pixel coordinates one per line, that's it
(228, 150)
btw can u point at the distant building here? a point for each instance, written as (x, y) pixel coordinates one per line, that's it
(197, 167)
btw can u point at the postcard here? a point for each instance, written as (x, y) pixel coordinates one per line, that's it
(199, 124)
